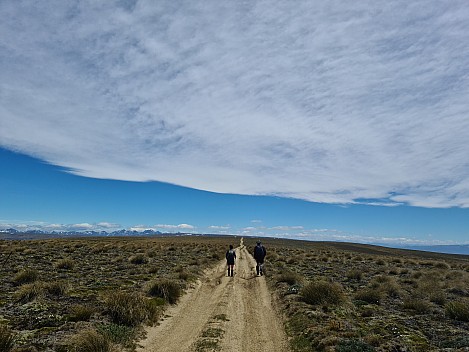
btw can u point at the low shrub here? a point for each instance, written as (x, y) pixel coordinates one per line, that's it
(126, 308)
(321, 292)
(458, 310)
(167, 289)
(90, 341)
(26, 276)
(7, 339)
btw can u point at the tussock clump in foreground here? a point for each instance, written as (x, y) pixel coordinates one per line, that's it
(167, 289)
(323, 292)
(90, 341)
(126, 308)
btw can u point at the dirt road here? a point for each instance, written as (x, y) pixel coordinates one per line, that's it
(222, 313)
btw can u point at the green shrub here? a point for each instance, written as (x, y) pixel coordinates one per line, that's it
(126, 308)
(26, 276)
(7, 339)
(66, 264)
(323, 292)
(167, 289)
(458, 310)
(90, 341)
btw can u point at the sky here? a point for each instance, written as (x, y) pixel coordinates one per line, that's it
(319, 120)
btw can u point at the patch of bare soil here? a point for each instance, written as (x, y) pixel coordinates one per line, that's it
(222, 314)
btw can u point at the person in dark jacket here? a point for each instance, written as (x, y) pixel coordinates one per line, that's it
(259, 256)
(230, 260)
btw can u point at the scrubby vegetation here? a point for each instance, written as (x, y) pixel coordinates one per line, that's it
(350, 297)
(94, 294)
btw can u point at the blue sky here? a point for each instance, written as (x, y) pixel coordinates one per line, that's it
(323, 120)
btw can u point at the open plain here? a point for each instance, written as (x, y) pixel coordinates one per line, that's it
(172, 294)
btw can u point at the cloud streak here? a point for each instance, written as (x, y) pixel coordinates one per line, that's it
(331, 102)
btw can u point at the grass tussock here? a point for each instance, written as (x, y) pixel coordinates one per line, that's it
(323, 292)
(65, 264)
(126, 308)
(289, 277)
(7, 339)
(458, 310)
(167, 289)
(90, 341)
(29, 292)
(370, 295)
(138, 259)
(56, 288)
(26, 276)
(80, 312)
(355, 274)
(418, 306)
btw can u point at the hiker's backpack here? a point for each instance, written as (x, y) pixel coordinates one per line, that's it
(230, 255)
(259, 252)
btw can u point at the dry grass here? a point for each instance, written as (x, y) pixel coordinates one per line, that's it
(26, 276)
(53, 288)
(323, 292)
(400, 298)
(90, 341)
(458, 310)
(7, 339)
(167, 289)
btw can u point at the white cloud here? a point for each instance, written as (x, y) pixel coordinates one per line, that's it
(216, 227)
(287, 228)
(329, 102)
(175, 227)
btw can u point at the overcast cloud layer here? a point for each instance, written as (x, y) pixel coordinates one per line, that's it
(328, 101)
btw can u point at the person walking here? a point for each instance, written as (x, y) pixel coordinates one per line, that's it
(230, 260)
(259, 256)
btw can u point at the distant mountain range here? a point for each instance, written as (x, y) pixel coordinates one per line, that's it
(11, 233)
